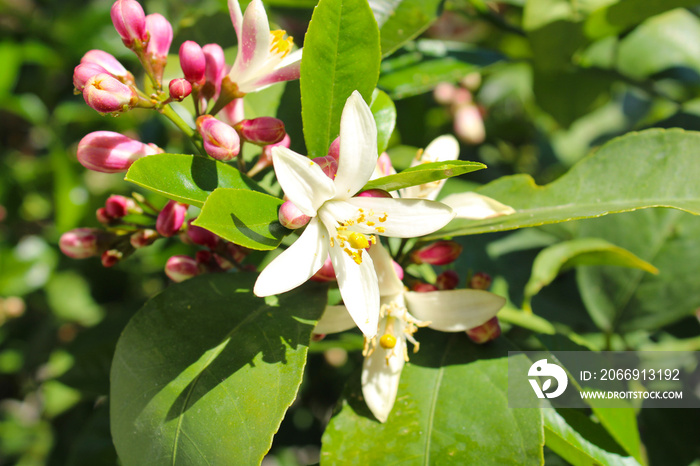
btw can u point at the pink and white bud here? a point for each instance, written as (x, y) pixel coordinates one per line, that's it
(444, 93)
(118, 206)
(437, 253)
(461, 97)
(103, 217)
(469, 125)
(291, 217)
(221, 141)
(130, 21)
(181, 268)
(109, 152)
(80, 243)
(420, 287)
(106, 94)
(171, 218)
(447, 280)
(480, 281)
(111, 257)
(261, 131)
(373, 193)
(486, 332)
(215, 70)
(233, 112)
(109, 63)
(384, 166)
(326, 273)
(160, 38)
(179, 88)
(398, 269)
(143, 238)
(201, 236)
(193, 62)
(83, 72)
(328, 164)
(334, 149)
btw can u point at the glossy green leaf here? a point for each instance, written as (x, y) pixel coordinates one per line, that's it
(623, 300)
(621, 424)
(577, 252)
(384, 112)
(247, 218)
(653, 168)
(204, 373)
(571, 445)
(402, 20)
(424, 173)
(623, 14)
(341, 55)
(452, 408)
(186, 178)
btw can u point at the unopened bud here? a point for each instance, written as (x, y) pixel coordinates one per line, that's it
(398, 269)
(201, 236)
(265, 159)
(143, 238)
(447, 280)
(384, 166)
(437, 253)
(181, 268)
(373, 193)
(119, 206)
(193, 62)
(161, 36)
(179, 89)
(423, 287)
(221, 141)
(80, 243)
(233, 112)
(444, 93)
(326, 273)
(291, 217)
(103, 217)
(261, 131)
(130, 21)
(215, 70)
(334, 149)
(486, 332)
(328, 164)
(109, 63)
(111, 257)
(237, 253)
(480, 281)
(84, 72)
(222, 262)
(109, 152)
(469, 125)
(171, 218)
(106, 94)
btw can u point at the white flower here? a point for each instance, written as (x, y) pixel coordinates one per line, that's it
(442, 149)
(342, 225)
(264, 56)
(402, 313)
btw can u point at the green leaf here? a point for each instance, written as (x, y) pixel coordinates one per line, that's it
(186, 178)
(424, 173)
(452, 408)
(204, 373)
(653, 168)
(247, 218)
(402, 20)
(341, 55)
(621, 424)
(384, 112)
(571, 445)
(577, 252)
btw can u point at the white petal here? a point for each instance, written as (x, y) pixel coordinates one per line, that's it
(359, 289)
(454, 310)
(380, 378)
(389, 283)
(236, 17)
(358, 147)
(405, 218)
(334, 319)
(302, 180)
(440, 149)
(475, 206)
(254, 47)
(297, 264)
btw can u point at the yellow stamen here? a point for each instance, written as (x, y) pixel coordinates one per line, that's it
(279, 44)
(358, 240)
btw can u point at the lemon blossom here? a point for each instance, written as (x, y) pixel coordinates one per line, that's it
(402, 313)
(343, 225)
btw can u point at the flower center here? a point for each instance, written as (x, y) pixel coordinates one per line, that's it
(280, 45)
(399, 324)
(353, 242)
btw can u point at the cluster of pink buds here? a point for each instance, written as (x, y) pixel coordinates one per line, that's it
(468, 116)
(437, 253)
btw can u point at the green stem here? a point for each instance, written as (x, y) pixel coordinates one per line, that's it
(170, 114)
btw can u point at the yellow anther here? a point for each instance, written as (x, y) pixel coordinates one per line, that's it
(387, 341)
(279, 44)
(380, 229)
(383, 219)
(370, 224)
(358, 240)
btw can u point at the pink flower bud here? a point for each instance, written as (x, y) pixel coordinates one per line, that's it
(103, 217)
(232, 113)
(265, 159)
(119, 206)
(373, 193)
(192, 62)
(468, 125)
(423, 287)
(107, 61)
(80, 243)
(220, 140)
(480, 281)
(204, 257)
(179, 88)
(111, 257)
(326, 273)
(444, 93)
(130, 21)
(447, 280)
(384, 166)
(181, 268)
(201, 236)
(334, 149)
(398, 269)
(261, 131)
(161, 36)
(215, 69)
(461, 97)
(109, 152)
(291, 217)
(171, 218)
(143, 238)
(437, 253)
(328, 164)
(84, 72)
(106, 94)
(485, 332)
